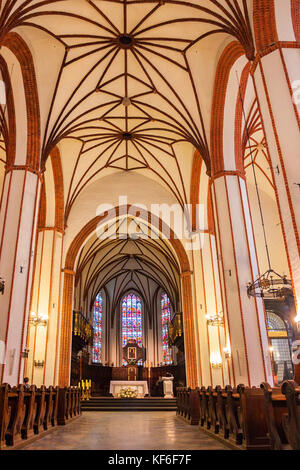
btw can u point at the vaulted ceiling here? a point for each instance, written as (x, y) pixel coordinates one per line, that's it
(125, 86)
(129, 82)
(136, 260)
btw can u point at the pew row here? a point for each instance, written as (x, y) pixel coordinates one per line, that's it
(26, 413)
(283, 415)
(243, 417)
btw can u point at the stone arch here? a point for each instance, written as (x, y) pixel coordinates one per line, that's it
(231, 53)
(68, 286)
(19, 48)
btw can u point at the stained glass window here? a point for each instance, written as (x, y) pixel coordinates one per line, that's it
(98, 328)
(132, 321)
(165, 319)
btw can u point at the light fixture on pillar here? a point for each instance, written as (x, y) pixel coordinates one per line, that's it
(39, 363)
(39, 319)
(216, 319)
(24, 354)
(227, 352)
(2, 285)
(216, 360)
(270, 284)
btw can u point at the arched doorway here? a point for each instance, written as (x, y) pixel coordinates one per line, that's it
(279, 336)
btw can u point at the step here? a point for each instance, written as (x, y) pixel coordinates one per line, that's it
(108, 408)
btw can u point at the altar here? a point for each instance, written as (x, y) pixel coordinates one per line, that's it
(140, 386)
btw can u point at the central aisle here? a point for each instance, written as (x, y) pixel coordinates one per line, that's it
(126, 430)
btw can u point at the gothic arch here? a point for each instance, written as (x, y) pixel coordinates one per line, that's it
(19, 48)
(68, 286)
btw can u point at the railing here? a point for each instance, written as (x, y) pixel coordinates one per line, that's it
(82, 328)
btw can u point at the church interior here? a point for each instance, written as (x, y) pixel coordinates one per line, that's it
(150, 224)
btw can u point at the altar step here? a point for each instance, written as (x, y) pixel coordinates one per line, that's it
(131, 404)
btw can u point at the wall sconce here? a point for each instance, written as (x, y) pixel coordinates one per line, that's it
(39, 363)
(24, 354)
(216, 360)
(2, 285)
(227, 352)
(38, 319)
(215, 320)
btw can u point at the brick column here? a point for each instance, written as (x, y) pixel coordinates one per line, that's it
(276, 79)
(66, 329)
(18, 217)
(246, 323)
(42, 339)
(189, 330)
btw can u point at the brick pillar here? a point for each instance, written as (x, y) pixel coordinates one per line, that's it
(277, 84)
(250, 359)
(18, 217)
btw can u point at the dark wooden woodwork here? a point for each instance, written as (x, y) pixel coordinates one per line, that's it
(28, 412)
(212, 409)
(18, 408)
(5, 412)
(276, 409)
(233, 413)
(38, 425)
(54, 407)
(221, 412)
(31, 406)
(253, 418)
(239, 415)
(291, 421)
(49, 408)
(205, 416)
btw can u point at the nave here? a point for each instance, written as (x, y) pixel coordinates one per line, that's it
(122, 431)
(150, 222)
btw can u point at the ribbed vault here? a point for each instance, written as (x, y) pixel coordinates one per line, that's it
(137, 260)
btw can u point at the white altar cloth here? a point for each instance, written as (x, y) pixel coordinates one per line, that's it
(140, 385)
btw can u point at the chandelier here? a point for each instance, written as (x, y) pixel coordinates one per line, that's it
(269, 285)
(215, 320)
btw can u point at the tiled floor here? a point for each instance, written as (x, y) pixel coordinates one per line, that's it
(124, 430)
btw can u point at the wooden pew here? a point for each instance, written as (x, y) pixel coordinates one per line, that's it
(291, 421)
(28, 412)
(48, 408)
(212, 409)
(276, 410)
(221, 412)
(253, 418)
(66, 407)
(17, 415)
(5, 411)
(30, 403)
(38, 425)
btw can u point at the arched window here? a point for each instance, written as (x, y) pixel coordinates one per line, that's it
(165, 320)
(98, 328)
(132, 329)
(281, 353)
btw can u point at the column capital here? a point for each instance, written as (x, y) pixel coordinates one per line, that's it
(222, 173)
(68, 271)
(9, 168)
(53, 229)
(271, 48)
(186, 274)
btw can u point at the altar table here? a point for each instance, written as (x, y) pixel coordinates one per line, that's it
(140, 385)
